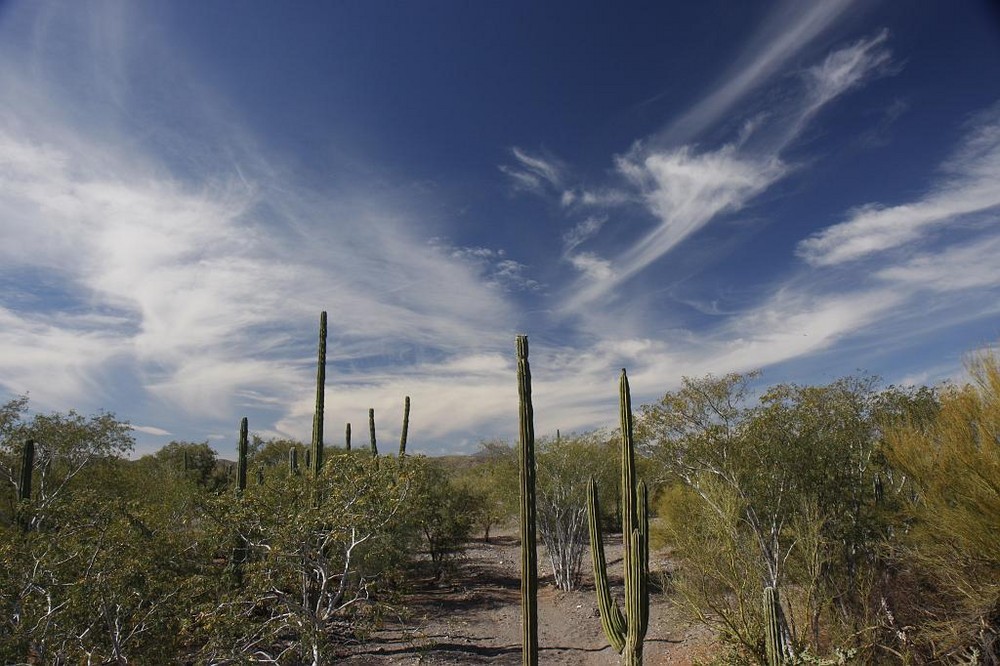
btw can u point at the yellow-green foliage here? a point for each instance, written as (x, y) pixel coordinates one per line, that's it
(952, 547)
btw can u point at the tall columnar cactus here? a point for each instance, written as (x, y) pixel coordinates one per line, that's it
(371, 431)
(317, 434)
(529, 554)
(774, 643)
(406, 426)
(308, 459)
(347, 438)
(293, 461)
(625, 631)
(241, 461)
(27, 465)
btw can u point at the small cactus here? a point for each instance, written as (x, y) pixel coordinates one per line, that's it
(293, 461)
(625, 631)
(371, 431)
(347, 438)
(774, 643)
(529, 554)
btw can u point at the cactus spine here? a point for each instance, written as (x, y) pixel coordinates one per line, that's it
(347, 438)
(317, 434)
(241, 458)
(406, 426)
(772, 624)
(529, 554)
(625, 631)
(27, 465)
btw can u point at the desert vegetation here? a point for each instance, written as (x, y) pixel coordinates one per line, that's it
(845, 523)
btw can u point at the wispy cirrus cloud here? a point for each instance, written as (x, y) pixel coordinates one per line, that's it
(957, 267)
(535, 174)
(494, 266)
(790, 28)
(966, 187)
(686, 188)
(583, 231)
(196, 282)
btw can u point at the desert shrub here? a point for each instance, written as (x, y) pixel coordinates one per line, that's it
(309, 559)
(947, 559)
(493, 480)
(103, 568)
(778, 493)
(443, 510)
(565, 467)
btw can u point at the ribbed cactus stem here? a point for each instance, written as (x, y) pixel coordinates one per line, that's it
(308, 459)
(293, 461)
(317, 434)
(406, 426)
(347, 438)
(241, 458)
(774, 643)
(625, 631)
(187, 461)
(612, 620)
(371, 431)
(27, 465)
(529, 553)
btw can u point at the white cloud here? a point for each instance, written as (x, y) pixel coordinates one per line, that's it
(686, 189)
(494, 266)
(582, 232)
(968, 266)
(59, 359)
(847, 68)
(199, 280)
(533, 173)
(592, 266)
(151, 430)
(968, 186)
(795, 322)
(790, 28)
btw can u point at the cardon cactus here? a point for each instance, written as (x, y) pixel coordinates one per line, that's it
(774, 643)
(24, 487)
(241, 458)
(625, 631)
(371, 431)
(347, 438)
(317, 434)
(27, 465)
(529, 554)
(293, 461)
(406, 426)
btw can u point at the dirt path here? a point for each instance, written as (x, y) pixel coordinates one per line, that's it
(473, 616)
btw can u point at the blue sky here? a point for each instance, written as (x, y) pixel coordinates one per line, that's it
(677, 188)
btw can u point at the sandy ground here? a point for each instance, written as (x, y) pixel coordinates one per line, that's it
(473, 616)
